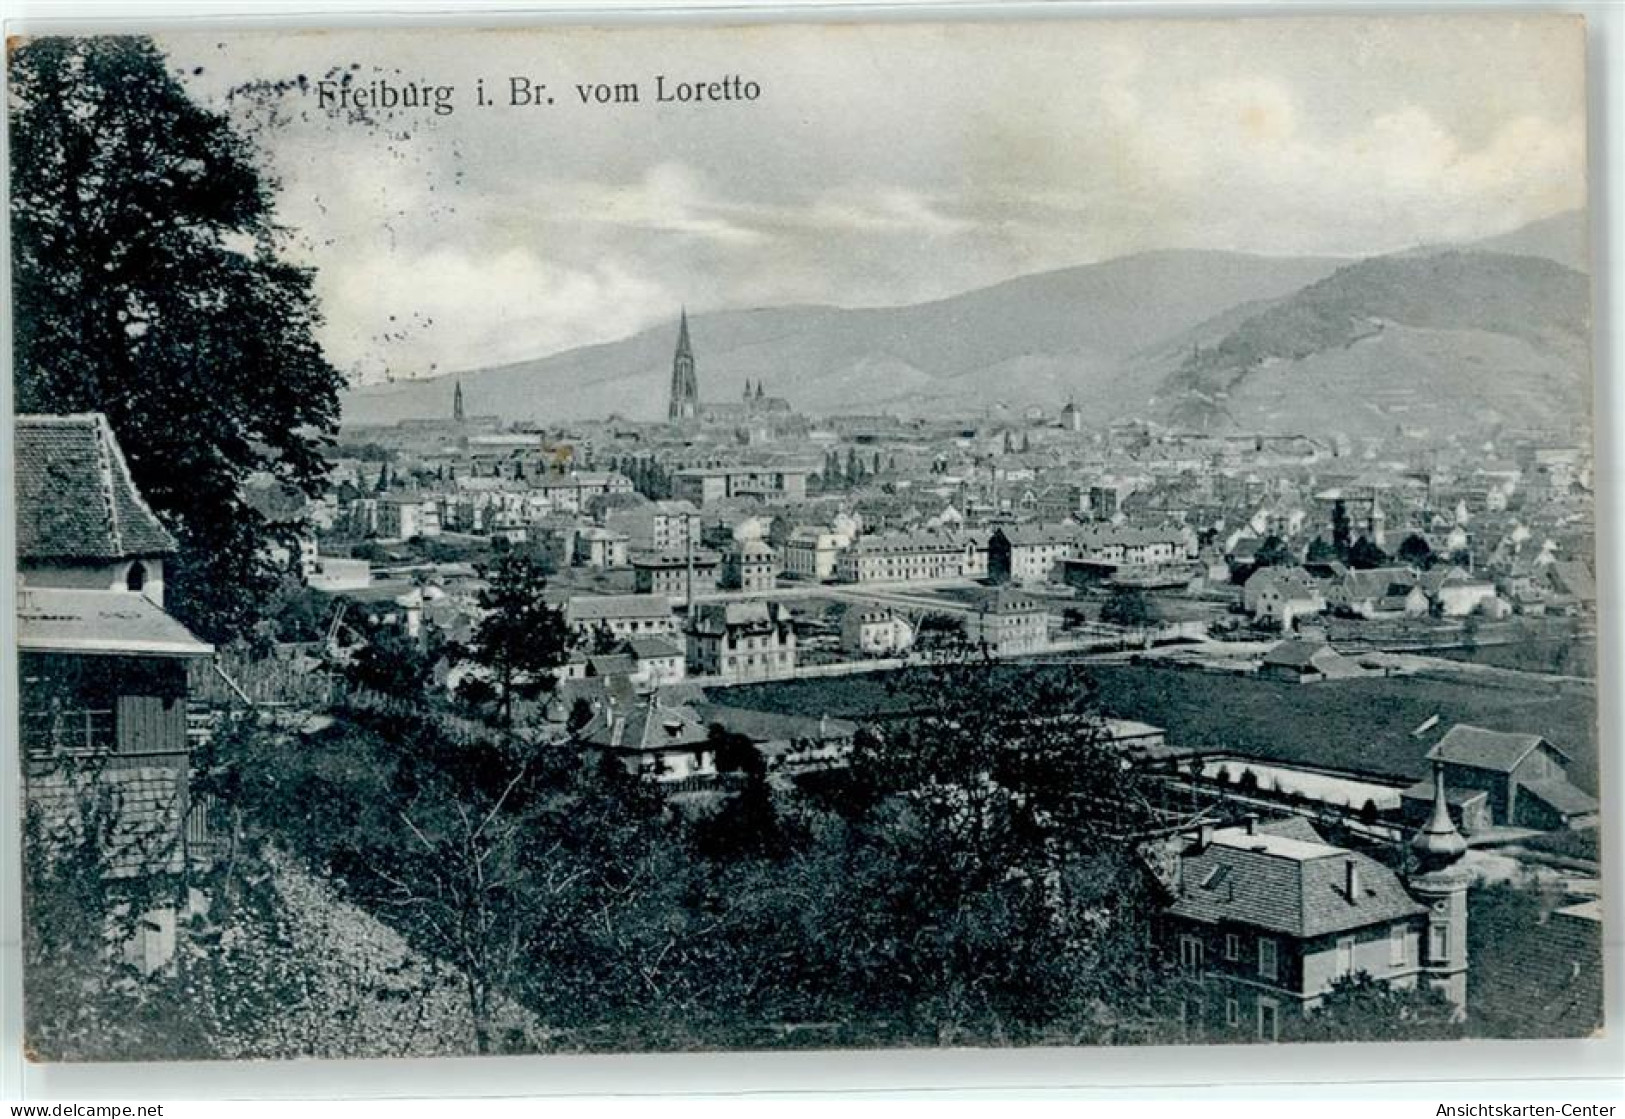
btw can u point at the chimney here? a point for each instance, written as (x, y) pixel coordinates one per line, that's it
(1351, 874)
(1251, 823)
(1204, 837)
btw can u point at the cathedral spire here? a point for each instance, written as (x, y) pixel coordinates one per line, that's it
(685, 388)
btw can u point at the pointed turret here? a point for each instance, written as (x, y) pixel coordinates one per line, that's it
(1438, 844)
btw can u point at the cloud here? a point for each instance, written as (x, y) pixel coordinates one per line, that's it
(890, 163)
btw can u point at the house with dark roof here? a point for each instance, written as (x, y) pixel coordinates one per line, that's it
(653, 738)
(81, 522)
(1523, 779)
(1264, 917)
(104, 673)
(1008, 623)
(750, 640)
(1302, 661)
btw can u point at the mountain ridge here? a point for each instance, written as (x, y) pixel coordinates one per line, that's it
(1115, 335)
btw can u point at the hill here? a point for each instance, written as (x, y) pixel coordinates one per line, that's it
(1441, 342)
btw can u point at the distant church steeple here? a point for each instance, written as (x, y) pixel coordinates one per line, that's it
(457, 403)
(685, 387)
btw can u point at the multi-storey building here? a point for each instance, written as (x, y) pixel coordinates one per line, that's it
(905, 557)
(751, 566)
(812, 551)
(670, 574)
(706, 485)
(622, 615)
(1008, 623)
(1264, 918)
(742, 640)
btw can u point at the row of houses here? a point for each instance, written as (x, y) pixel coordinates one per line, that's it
(1280, 596)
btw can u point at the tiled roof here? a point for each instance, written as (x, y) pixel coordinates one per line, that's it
(1573, 577)
(592, 608)
(1478, 748)
(644, 725)
(651, 648)
(1297, 653)
(57, 620)
(770, 726)
(1007, 601)
(142, 804)
(75, 497)
(1288, 885)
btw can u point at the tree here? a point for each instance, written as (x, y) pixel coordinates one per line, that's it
(1361, 1008)
(1415, 551)
(1127, 606)
(1272, 552)
(991, 889)
(392, 665)
(1340, 528)
(521, 637)
(1365, 555)
(149, 285)
(1322, 552)
(941, 633)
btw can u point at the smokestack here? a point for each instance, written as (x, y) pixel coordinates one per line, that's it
(1351, 872)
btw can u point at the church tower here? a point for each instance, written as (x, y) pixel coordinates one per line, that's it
(1440, 883)
(685, 388)
(457, 403)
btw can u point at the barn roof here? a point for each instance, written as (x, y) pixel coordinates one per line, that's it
(1478, 748)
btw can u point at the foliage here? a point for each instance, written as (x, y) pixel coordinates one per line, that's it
(150, 286)
(1365, 555)
(1340, 528)
(1361, 1008)
(939, 633)
(1128, 607)
(520, 636)
(81, 906)
(1321, 552)
(391, 664)
(1272, 552)
(1415, 551)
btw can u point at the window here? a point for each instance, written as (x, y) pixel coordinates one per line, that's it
(1190, 955)
(136, 578)
(1269, 1020)
(1268, 964)
(1232, 946)
(1396, 946)
(1345, 955)
(1439, 942)
(1232, 1013)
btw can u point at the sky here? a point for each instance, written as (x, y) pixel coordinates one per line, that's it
(879, 164)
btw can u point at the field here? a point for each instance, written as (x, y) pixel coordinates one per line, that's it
(1564, 657)
(1356, 725)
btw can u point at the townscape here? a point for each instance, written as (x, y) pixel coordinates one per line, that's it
(762, 726)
